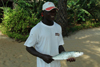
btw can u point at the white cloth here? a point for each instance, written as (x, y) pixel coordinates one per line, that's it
(46, 40)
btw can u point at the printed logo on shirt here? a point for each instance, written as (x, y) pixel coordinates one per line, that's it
(57, 34)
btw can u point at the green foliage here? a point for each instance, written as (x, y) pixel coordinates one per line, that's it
(83, 10)
(76, 12)
(18, 22)
(32, 7)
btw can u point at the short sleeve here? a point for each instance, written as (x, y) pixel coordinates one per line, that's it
(61, 41)
(32, 39)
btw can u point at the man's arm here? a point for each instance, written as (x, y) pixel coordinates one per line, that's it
(61, 49)
(46, 58)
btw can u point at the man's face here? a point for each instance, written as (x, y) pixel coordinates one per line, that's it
(50, 15)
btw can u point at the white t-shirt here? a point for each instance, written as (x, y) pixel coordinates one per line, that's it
(46, 40)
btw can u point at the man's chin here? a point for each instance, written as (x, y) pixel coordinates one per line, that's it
(52, 19)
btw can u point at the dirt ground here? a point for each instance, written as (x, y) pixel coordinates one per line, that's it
(14, 54)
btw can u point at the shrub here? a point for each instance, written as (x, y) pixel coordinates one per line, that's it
(18, 22)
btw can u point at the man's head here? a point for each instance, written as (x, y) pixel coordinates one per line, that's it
(49, 10)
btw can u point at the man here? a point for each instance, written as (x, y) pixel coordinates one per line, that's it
(47, 39)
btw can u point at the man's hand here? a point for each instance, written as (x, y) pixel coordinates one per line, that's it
(47, 58)
(71, 59)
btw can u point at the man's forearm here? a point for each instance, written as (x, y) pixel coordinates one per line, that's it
(61, 49)
(46, 58)
(32, 51)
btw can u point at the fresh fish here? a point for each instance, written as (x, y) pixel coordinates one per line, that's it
(66, 55)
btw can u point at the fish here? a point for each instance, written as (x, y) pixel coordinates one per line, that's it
(65, 55)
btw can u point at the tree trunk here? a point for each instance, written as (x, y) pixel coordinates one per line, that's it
(62, 16)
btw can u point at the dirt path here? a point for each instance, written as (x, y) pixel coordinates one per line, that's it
(13, 54)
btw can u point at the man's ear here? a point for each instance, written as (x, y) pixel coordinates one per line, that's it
(42, 13)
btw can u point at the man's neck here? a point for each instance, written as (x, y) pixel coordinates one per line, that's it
(47, 22)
